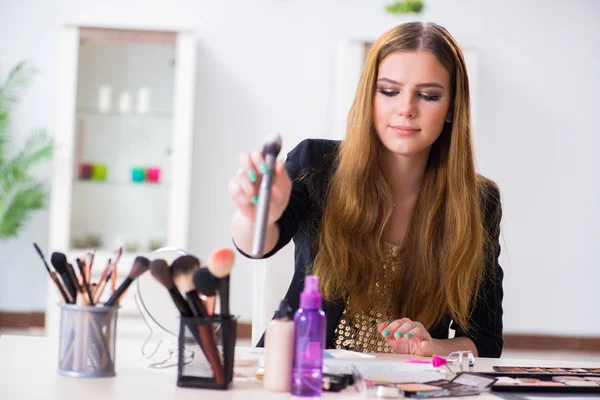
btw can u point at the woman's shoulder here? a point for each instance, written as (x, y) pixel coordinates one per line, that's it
(489, 195)
(311, 151)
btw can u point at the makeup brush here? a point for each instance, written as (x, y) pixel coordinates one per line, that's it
(59, 262)
(113, 283)
(103, 281)
(271, 150)
(182, 270)
(69, 299)
(220, 265)
(85, 284)
(161, 272)
(206, 284)
(140, 265)
(89, 261)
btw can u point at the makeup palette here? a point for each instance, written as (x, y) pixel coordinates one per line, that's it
(546, 379)
(548, 370)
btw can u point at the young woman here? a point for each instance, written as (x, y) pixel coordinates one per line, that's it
(400, 229)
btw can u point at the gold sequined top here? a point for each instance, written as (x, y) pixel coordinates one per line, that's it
(358, 332)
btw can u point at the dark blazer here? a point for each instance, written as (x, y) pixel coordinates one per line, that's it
(309, 166)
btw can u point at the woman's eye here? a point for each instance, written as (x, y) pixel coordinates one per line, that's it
(387, 92)
(428, 97)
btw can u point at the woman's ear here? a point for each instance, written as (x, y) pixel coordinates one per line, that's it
(449, 116)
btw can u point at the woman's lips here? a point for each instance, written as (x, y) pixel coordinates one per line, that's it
(404, 130)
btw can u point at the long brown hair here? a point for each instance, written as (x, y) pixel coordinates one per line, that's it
(442, 254)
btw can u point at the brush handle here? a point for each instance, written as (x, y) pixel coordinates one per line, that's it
(66, 296)
(180, 303)
(73, 278)
(195, 304)
(86, 285)
(207, 342)
(114, 298)
(224, 296)
(99, 290)
(68, 284)
(262, 209)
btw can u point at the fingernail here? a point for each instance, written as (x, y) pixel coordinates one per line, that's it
(408, 335)
(254, 200)
(252, 175)
(398, 334)
(424, 343)
(263, 168)
(386, 333)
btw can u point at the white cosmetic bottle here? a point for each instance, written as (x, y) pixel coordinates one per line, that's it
(279, 350)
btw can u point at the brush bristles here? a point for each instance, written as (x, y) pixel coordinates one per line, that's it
(184, 282)
(221, 262)
(140, 265)
(185, 264)
(205, 282)
(272, 145)
(160, 271)
(59, 262)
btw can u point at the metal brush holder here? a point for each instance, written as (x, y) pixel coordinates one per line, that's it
(87, 341)
(212, 343)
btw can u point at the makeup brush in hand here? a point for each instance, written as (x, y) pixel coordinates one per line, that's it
(140, 265)
(68, 298)
(160, 270)
(271, 150)
(182, 270)
(220, 265)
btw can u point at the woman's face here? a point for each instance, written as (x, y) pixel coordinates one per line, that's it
(412, 101)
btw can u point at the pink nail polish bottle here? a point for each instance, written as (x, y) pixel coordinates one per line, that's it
(279, 350)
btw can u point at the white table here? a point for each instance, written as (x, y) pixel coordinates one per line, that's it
(28, 371)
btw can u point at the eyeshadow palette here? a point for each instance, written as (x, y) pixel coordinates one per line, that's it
(546, 379)
(549, 370)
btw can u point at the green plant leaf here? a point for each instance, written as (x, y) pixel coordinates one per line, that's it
(17, 202)
(20, 193)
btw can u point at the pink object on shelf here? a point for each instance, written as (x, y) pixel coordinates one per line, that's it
(153, 174)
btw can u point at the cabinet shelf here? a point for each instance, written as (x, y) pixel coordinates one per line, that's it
(90, 111)
(83, 183)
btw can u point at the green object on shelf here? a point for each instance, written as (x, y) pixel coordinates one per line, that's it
(138, 174)
(99, 172)
(405, 7)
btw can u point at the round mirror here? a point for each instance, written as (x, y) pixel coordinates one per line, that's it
(154, 298)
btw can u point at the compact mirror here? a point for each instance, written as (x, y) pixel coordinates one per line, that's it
(153, 299)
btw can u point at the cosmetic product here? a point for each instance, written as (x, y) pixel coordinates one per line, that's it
(104, 98)
(140, 265)
(220, 265)
(67, 297)
(143, 100)
(279, 349)
(309, 342)
(271, 150)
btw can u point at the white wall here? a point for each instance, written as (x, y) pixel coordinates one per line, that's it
(268, 65)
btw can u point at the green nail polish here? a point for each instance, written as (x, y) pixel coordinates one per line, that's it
(398, 334)
(252, 175)
(386, 333)
(263, 168)
(254, 199)
(408, 335)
